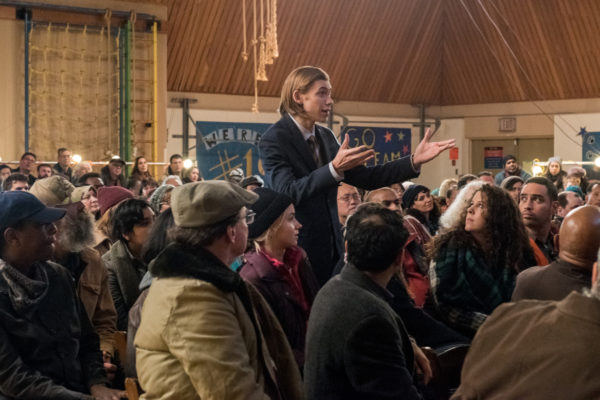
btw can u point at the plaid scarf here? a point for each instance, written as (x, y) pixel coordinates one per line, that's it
(464, 287)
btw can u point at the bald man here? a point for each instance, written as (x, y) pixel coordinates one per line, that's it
(385, 196)
(579, 240)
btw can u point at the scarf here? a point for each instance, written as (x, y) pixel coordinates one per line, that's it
(465, 280)
(25, 293)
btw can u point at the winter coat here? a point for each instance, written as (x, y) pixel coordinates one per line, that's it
(206, 334)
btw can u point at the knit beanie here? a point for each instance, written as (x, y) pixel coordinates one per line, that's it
(269, 206)
(409, 196)
(158, 195)
(109, 196)
(577, 190)
(555, 159)
(52, 190)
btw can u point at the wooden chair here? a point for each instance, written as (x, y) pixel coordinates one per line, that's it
(446, 365)
(132, 386)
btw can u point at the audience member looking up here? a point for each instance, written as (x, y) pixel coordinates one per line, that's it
(537, 350)
(112, 174)
(511, 168)
(63, 166)
(474, 266)
(131, 224)
(579, 241)
(197, 302)
(26, 166)
(278, 268)
(48, 346)
(537, 204)
(357, 346)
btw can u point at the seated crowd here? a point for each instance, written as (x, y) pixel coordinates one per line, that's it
(219, 301)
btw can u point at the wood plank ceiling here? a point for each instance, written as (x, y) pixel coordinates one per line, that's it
(440, 52)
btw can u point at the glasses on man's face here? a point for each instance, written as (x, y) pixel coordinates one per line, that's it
(387, 203)
(348, 197)
(250, 217)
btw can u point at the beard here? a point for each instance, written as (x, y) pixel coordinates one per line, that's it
(76, 233)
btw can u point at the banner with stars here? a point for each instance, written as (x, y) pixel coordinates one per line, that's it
(389, 143)
(224, 146)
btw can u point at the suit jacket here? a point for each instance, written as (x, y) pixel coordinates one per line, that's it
(536, 350)
(357, 346)
(551, 282)
(290, 168)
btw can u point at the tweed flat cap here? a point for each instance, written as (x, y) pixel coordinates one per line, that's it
(208, 202)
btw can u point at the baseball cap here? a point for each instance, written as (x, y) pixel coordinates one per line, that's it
(19, 206)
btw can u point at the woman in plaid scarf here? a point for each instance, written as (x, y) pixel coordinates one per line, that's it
(473, 267)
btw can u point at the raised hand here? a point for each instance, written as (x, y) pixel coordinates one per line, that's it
(427, 151)
(349, 157)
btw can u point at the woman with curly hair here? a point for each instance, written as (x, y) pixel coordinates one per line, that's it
(474, 266)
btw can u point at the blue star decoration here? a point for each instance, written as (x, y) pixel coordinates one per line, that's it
(582, 132)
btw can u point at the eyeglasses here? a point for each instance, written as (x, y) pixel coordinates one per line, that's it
(347, 197)
(387, 203)
(250, 217)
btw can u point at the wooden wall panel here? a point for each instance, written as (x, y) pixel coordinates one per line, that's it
(444, 52)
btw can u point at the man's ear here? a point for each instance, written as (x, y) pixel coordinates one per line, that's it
(231, 233)
(554, 207)
(297, 97)
(10, 235)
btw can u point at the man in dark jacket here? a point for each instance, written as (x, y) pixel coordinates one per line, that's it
(305, 161)
(357, 346)
(48, 348)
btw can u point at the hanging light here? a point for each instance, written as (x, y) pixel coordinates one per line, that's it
(76, 158)
(187, 163)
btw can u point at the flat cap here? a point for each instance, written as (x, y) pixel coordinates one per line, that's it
(208, 202)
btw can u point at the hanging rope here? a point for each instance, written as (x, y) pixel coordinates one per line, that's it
(264, 46)
(519, 65)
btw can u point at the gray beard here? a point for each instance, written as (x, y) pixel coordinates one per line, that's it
(76, 233)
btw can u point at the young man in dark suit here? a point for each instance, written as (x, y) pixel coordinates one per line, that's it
(306, 162)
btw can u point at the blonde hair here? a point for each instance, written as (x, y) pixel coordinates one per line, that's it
(300, 79)
(268, 234)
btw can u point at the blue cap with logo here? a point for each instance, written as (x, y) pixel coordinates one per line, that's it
(17, 206)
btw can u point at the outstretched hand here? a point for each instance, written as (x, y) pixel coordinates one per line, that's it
(349, 157)
(427, 151)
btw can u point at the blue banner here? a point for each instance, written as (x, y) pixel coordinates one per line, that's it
(224, 146)
(389, 143)
(590, 149)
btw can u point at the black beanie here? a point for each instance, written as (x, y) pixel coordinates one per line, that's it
(269, 206)
(409, 196)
